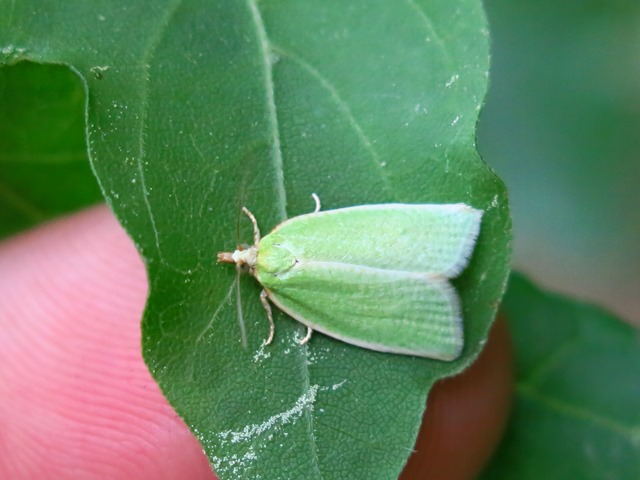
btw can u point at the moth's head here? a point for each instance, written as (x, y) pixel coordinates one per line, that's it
(243, 255)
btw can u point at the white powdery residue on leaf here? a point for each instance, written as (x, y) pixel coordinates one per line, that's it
(13, 51)
(260, 354)
(452, 80)
(248, 433)
(315, 355)
(99, 70)
(420, 109)
(235, 465)
(297, 337)
(337, 385)
(256, 437)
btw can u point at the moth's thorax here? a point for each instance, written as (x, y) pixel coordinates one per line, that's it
(274, 259)
(248, 256)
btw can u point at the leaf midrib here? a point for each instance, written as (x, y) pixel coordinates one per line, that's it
(282, 199)
(276, 151)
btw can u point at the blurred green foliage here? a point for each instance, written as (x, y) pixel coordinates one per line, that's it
(562, 127)
(575, 413)
(44, 168)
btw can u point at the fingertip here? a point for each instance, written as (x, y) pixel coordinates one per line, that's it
(77, 396)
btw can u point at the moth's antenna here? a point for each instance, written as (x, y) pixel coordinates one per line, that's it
(243, 332)
(317, 200)
(256, 230)
(238, 219)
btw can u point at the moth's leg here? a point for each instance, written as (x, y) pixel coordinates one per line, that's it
(317, 200)
(265, 303)
(307, 336)
(256, 230)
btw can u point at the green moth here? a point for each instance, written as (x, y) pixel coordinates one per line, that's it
(376, 276)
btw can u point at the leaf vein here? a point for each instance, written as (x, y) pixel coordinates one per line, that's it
(538, 373)
(343, 107)
(271, 107)
(146, 63)
(431, 29)
(633, 433)
(279, 171)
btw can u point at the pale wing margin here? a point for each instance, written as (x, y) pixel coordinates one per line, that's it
(383, 310)
(428, 238)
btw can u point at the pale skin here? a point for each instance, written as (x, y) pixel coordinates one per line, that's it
(249, 257)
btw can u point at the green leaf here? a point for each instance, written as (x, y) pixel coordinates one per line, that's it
(576, 412)
(197, 108)
(43, 156)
